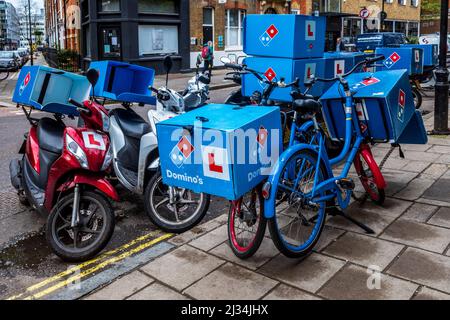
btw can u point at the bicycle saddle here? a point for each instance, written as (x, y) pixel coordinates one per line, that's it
(306, 105)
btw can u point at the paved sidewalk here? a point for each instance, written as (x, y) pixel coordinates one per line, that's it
(411, 248)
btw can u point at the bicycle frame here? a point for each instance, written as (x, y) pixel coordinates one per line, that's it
(326, 190)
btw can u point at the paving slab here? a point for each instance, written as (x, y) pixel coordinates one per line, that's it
(364, 250)
(351, 283)
(439, 190)
(329, 235)
(397, 180)
(430, 294)
(391, 207)
(157, 291)
(420, 212)
(415, 147)
(415, 189)
(212, 239)
(429, 269)
(194, 233)
(309, 274)
(231, 282)
(182, 267)
(436, 170)
(416, 166)
(438, 140)
(284, 292)
(418, 235)
(123, 287)
(433, 202)
(418, 155)
(439, 149)
(441, 218)
(377, 218)
(266, 252)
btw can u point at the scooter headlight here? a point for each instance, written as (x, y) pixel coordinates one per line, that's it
(105, 120)
(108, 159)
(77, 152)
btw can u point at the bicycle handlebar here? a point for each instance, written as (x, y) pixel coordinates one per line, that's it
(367, 61)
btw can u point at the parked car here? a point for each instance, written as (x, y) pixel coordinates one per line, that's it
(433, 39)
(368, 42)
(9, 60)
(24, 54)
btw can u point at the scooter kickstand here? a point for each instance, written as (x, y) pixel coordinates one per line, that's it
(336, 212)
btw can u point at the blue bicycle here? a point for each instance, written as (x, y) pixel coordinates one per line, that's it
(302, 188)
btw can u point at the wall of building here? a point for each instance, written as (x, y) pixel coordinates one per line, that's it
(393, 9)
(221, 20)
(11, 26)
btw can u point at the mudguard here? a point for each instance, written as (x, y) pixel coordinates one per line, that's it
(95, 181)
(269, 204)
(366, 153)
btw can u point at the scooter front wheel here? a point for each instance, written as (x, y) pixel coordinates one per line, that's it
(174, 213)
(91, 234)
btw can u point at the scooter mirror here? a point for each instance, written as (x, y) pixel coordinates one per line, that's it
(92, 76)
(168, 64)
(225, 60)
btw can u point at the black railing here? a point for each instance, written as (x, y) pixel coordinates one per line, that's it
(66, 60)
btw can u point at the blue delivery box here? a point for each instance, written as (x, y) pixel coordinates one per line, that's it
(222, 150)
(384, 106)
(273, 69)
(49, 90)
(284, 36)
(124, 82)
(398, 58)
(430, 53)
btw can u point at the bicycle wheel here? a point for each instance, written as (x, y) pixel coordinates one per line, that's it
(418, 99)
(4, 75)
(247, 224)
(367, 176)
(297, 225)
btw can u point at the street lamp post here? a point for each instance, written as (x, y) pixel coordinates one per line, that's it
(442, 74)
(31, 36)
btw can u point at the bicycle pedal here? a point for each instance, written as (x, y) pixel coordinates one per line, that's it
(347, 184)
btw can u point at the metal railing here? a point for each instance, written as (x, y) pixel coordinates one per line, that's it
(66, 60)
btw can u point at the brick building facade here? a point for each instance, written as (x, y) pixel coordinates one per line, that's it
(63, 24)
(221, 23)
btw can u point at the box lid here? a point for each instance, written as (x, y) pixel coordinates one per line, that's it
(368, 85)
(221, 116)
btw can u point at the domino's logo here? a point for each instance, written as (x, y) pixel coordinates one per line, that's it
(393, 59)
(25, 83)
(268, 35)
(401, 105)
(181, 152)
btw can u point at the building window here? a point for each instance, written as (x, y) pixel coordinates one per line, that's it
(110, 43)
(157, 6)
(156, 39)
(351, 28)
(388, 26)
(400, 26)
(415, 3)
(109, 6)
(208, 25)
(413, 29)
(234, 28)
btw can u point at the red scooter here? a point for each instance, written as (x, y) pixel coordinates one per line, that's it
(63, 173)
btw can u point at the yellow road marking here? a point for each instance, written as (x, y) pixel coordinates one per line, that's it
(83, 265)
(100, 266)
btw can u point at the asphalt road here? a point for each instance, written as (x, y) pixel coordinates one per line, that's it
(25, 258)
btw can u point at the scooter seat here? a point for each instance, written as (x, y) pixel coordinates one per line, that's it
(131, 123)
(50, 135)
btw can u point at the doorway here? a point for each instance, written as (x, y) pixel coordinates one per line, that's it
(208, 25)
